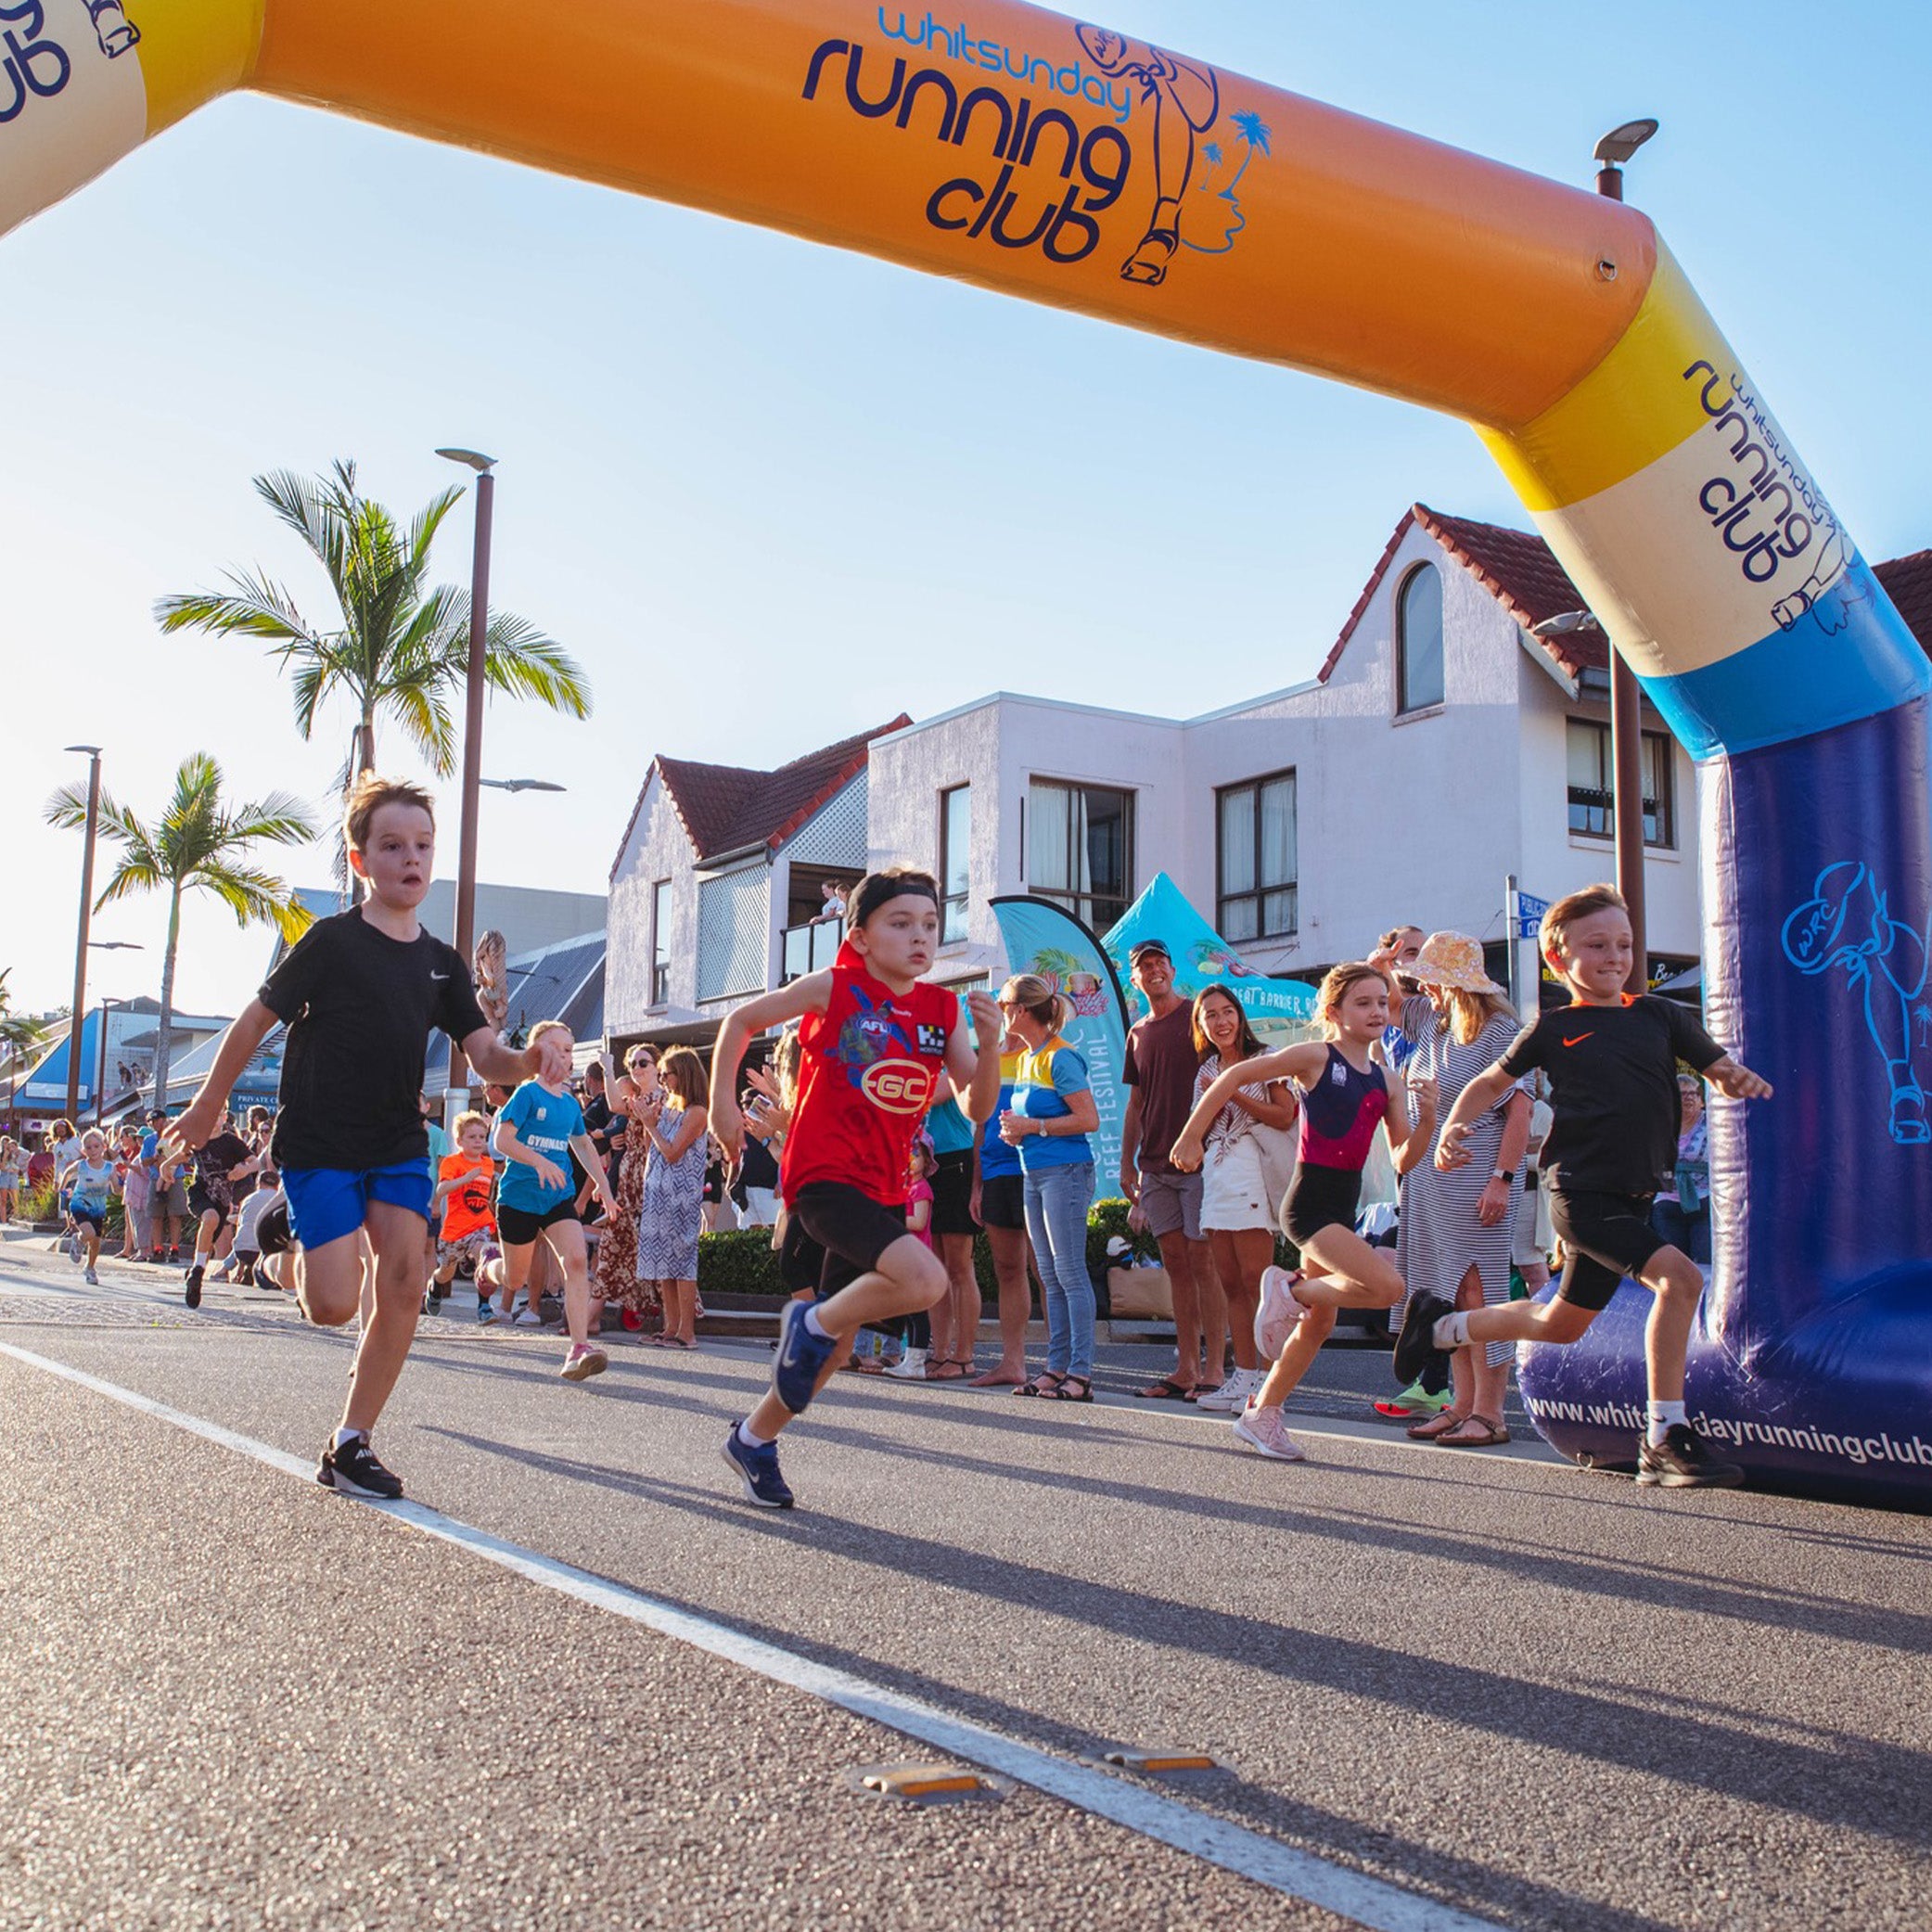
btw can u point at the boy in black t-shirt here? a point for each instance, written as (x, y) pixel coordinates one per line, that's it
(360, 992)
(1611, 1058)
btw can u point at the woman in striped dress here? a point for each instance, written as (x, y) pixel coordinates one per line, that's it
(1455, 1229)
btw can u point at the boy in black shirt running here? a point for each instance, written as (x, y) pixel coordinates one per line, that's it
(1611, 1058)
(359, 994)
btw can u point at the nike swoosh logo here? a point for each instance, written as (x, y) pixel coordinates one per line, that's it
(439, 977)
(1576, 1041)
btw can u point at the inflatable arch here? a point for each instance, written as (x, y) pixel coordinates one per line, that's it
(1072, 165)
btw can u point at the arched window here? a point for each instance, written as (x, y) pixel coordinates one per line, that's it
(1418, 640)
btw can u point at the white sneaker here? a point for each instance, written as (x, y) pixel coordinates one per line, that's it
(910, 1367)
(527, 1318)
(91, 1278)
(1279, 1311)
(220, 1271)
(1263, 1432)
(1236, 1393)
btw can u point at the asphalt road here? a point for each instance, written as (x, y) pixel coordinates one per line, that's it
(1491, 1682)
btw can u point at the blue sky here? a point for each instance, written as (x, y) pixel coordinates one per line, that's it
(770, 494)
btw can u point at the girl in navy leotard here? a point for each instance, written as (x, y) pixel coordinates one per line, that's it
(1346, 1096)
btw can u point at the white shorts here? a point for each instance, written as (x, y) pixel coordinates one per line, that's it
(1233, 1194)
(1533, 1237)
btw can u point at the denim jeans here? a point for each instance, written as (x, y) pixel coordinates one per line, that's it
(1688, 1232)
(1058, 1199)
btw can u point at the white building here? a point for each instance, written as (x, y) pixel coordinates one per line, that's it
(1441, 747)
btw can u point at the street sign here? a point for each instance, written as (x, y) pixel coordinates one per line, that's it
(1529, 915)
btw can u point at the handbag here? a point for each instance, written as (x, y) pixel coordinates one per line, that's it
(1278, 1156)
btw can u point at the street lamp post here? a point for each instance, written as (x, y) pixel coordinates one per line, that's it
(485, 468)
(100, 1069)
(1626, 694)
(80, 1012)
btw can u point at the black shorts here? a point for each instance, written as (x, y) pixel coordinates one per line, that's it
(1606, 1237)
(87, 1218)
(518, 1227)
(1321, 1197)
(1003, 1201)
(833, 1234)
(272, 1234)
(952, 1195)
(204, 1200)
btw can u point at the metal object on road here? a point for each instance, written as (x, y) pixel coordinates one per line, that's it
(1162, 1763)
(927, 1784)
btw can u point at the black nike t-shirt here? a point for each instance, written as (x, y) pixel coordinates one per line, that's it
(359, 1007)
(1613, 1089)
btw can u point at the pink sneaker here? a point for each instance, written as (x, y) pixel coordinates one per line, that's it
(1262, 1431)
(581, 1363)
(1279, 1311)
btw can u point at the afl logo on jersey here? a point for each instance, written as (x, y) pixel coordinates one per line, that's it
(897, 1086)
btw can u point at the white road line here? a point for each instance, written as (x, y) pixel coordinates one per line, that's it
(1297, 1874)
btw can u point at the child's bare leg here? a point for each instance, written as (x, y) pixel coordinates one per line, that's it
(396, 1243)
(1675, 1282)
(909, 1276)
(1303, 1345)
(329, 1280)
(1558, 1321)
(564, 1240)
(1343, 1271)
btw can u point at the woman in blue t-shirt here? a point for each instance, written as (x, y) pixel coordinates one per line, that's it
(1052, 1115)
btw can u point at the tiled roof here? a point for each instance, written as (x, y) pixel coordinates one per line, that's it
(1521, 572)
(726, 808)
(1907, 583)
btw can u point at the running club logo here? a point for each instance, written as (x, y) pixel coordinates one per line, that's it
(1037, 181)
(34, 66)
(1847, 925)
(897, 1086)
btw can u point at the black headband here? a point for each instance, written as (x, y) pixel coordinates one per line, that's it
(879, 888)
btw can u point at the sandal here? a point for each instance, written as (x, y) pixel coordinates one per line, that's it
(945, 1370)
(1072, 1389)
(1046, 1383)
(1166, 1390)
(1493, 1437)
(1436, 1427)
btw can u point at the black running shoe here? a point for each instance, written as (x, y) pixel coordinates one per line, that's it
(1685, 1461)
(354, 1470)
(1415, 1345)
(191, 1286)
(758, 1470)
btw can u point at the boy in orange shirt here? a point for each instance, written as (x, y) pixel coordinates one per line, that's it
(465, 1184)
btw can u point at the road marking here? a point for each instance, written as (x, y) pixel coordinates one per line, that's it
(1352, 1895)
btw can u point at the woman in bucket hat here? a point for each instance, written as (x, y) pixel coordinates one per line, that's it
(1456, 1227)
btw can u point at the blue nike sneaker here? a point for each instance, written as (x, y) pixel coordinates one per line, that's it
(801, 1359)
(758, 1470)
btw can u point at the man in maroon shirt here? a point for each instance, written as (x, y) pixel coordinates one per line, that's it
(1159, 1071)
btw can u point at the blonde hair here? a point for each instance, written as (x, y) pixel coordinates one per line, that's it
(471, 1119)
(548, 1026)
(683, 1072)
(785, 1065)
(1037, 997)
(369, 795)
(1470, 1013)
(1335, 989)
(1572, 907)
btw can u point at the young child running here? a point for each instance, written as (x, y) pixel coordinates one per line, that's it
(1345, 1097)
(874, 1037)
(539, 1127)
(1611, 1058)
(465, 1180)
(359, 994)
(88, 1183)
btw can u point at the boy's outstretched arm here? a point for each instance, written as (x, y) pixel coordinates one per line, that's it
(1472, 1103)
(813, 993)
(197, 1120)
(1737, 1080)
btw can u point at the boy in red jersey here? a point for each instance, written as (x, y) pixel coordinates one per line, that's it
(874, 1039)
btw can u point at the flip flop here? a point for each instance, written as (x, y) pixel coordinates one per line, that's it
(1166, 1390)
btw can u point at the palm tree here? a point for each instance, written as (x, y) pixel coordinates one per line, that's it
(199, 844)
(401, 649)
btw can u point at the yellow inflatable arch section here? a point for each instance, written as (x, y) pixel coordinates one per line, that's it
(1076, 165)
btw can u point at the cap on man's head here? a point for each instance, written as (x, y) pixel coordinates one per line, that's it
(156, 1113)
(1142, 948)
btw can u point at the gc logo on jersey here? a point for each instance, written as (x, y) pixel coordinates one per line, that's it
(897, 1086)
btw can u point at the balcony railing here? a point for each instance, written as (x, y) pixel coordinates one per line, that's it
(807, 949)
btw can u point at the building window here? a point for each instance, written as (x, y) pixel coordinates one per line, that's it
(660, 943)
(1255, 896)
(955, 860)
(1591, 773)
(1418, 640)
(1079, 848)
